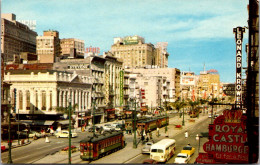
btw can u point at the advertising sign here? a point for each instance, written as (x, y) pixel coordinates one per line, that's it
(93, 50)
(239, 38)
(121, 87)
(228, 138)
(107, 88)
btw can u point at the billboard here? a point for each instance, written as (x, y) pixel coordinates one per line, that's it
(228, 138)
(121, 76)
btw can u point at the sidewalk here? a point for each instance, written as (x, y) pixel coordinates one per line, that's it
(15, 143)
(128, 153)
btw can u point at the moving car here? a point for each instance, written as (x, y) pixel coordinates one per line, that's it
(147, 147)
(182, 158)
(108, 127)
(65, 133)
(34, 133)
(96, 128)
(150, 161)
(188, 150)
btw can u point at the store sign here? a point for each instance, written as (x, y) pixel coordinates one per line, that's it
(78, 66)
(121, 76)
(204, 158)
(239, 38)
(107, 88)
(227, 138)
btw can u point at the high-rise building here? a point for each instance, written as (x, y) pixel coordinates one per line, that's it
(70, 44)
(48, 46)
(134, 51)
(208, 84)
(15, 37)
(161, 56)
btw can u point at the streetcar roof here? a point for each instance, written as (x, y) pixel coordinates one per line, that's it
(101, 136)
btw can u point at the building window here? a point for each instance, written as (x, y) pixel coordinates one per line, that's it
(20, 100)
(28, 103)
(50, 100)
(43, 100)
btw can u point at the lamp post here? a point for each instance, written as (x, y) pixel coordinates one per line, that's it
(69, 131)
(134, 141)
(93, 106)
(183, 123)
(9, 133)
(198, 138)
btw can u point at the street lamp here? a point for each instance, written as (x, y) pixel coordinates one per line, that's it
(69, 130)
(134, 141)
(198, 138)
(9, 133)
(183, 123)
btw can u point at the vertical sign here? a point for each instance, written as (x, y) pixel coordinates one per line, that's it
(107, 88)
(121, 76)
(239, 38)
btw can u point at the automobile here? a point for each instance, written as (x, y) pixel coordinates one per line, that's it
(215, 116)
(150, 161)
(108, 127)
(34, 133)
(210, 115)
(118, 126)
(147, 147)
(182, 158)
(97, 129)
(65, 133)
(188, 150)
(3, 148)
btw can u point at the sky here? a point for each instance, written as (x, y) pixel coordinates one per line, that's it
(198, 32)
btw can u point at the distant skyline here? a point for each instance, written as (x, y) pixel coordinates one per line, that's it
(197, 31)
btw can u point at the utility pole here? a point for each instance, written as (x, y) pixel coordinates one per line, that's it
(9, 133)
(183, 117)
(69, 131)
(134, 141)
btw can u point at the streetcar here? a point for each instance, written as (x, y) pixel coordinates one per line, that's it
(92, 148)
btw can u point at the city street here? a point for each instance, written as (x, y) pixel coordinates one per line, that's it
(39, 151)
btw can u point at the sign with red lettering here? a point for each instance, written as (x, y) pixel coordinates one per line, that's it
(205, 158)
(228, 138)
(93, 50)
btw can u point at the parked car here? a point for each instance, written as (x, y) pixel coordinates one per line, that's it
(188, 149)
(210, 115)
(215, 116)
(65, 133)
(97, 128)
(150, 161)
(34, 133)
(147, 147)
(108, 127)
(182, 158)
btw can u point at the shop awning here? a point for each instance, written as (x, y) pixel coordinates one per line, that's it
(63, 122)
(128, 112)
(37, 122)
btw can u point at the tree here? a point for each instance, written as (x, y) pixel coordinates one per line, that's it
(178, 105)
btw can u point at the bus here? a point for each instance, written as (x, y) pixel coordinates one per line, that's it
(163, 150)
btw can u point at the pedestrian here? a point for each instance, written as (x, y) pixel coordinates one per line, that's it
(150, 134)
(186, 134)
(158, 134)
(147, 138)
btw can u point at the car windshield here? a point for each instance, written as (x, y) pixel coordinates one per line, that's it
(187, 148)
(181, 156)
(157, 150)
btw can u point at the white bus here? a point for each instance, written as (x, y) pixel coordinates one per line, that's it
(163, 150)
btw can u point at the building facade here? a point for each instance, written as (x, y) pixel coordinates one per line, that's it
(172, 74)
(161, 55)
(188, 82)
(133, 51)
(208, 85)
(47, 92)
(15, 38)
(48, 46)
(71, 44)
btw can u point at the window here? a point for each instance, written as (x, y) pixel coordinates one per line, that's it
(43, 100)
(28, 100)
(20, 100)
